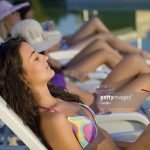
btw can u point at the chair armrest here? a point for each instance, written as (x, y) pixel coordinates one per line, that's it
(129, 116)
(126, 136)
(122, 122)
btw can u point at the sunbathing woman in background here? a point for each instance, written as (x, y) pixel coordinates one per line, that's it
(91, 31)
(51, 113)
(9, 17)
(26, 12)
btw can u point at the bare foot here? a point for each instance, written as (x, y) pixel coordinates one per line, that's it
(76, 75)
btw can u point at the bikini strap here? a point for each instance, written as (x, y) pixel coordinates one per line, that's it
(89, 109)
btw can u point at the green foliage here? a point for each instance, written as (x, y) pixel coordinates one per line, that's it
(56, 9)
(118, 19)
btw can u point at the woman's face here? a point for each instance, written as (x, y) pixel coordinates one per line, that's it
(13, 18)
(37, 70)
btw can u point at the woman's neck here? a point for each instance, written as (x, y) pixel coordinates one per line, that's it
(45, 97)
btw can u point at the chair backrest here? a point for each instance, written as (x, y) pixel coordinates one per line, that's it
(12, 120)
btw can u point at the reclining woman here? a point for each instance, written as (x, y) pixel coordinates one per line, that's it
(55, 115)
(9, 17)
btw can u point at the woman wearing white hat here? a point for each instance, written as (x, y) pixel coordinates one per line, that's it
(9, 17)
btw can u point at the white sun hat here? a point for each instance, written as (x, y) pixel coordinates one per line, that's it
(32, 31)
(6, 8)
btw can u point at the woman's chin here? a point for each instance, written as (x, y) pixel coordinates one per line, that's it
(52, 74)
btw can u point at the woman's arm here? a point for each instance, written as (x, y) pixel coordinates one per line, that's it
(142, 143)
(123, 145)
(58, 132)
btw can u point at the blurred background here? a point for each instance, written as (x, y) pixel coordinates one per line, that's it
(129, 19)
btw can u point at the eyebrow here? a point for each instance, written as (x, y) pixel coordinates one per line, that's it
(32, 53)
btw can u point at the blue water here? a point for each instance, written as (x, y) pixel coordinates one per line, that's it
(69, 24)
(145, 43)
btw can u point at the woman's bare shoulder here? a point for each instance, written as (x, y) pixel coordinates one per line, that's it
(58, 132)
(52, 118)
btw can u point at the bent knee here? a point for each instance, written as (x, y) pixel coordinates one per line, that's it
(95, 19)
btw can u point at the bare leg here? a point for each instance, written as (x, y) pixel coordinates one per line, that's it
(130, 67)
(122, 46)
(96, 45)
(94, 25)
(128, 78)
(95, 29)
(83, 43)
(142, 142)
(116, 44)
(92, 61)
(132, 89)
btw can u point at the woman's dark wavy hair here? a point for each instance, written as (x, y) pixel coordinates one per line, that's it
(18, 92)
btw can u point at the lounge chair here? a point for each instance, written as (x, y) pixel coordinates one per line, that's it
(12, 120)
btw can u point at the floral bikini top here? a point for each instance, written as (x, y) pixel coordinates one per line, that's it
(84, 128)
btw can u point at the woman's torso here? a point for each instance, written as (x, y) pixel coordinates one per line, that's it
(76, 114)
